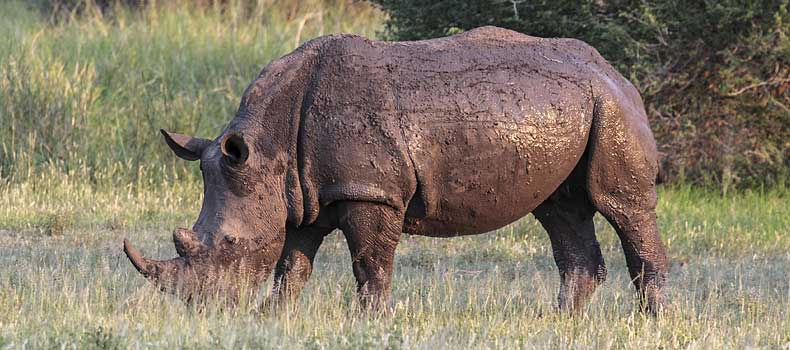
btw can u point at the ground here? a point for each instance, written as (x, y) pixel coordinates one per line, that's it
(64, 282)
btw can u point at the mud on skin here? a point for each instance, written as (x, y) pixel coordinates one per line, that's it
(445, 137)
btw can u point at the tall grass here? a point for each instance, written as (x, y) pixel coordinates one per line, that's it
(90, 90)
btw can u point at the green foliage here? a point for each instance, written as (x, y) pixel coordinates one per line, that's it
(715, 75)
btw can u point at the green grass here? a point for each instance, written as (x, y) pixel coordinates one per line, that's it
(83, 167)
(93, 90)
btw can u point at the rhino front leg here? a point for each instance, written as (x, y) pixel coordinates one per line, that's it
(296, 262)
(372, 231)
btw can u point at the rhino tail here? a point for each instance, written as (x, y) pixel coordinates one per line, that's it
(661, 175)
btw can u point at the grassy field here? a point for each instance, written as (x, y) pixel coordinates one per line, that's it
(64, 282)
(81, 100)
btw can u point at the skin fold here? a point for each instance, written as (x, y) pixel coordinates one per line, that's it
(445, 137)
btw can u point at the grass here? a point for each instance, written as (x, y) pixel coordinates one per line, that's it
(75, 289)
(83, 167)
(93, 89)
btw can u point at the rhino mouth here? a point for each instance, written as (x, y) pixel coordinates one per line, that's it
(200, 271)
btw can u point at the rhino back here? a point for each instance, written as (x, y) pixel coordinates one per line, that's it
(470, 132)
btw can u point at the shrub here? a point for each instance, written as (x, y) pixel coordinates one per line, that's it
(715, 75)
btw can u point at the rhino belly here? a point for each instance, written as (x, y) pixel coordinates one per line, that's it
(478, 175)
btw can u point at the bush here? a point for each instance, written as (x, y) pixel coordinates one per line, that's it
(715, 75)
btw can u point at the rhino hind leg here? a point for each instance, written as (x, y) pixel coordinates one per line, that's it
(567, 216)
(296, 263)
(372, 231)
(621, 182)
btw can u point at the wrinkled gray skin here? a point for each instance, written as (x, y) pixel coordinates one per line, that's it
(446, 137)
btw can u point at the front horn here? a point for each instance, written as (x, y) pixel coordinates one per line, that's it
(151, 269)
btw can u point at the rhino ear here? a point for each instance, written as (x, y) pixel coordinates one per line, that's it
(185, 147)
(234, 148)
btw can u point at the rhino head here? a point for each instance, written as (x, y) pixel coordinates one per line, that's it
(240, 231)
(251, 190)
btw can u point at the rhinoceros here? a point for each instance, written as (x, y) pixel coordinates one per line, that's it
(445, 137)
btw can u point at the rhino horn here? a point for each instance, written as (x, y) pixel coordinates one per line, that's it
(151, 269)
(187, 243)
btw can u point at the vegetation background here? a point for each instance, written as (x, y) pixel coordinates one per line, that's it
(85, 86)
